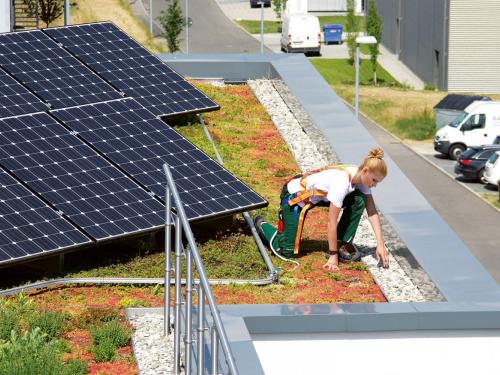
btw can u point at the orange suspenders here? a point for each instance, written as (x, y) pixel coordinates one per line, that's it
(303, 195)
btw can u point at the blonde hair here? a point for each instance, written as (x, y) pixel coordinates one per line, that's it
(374, 161)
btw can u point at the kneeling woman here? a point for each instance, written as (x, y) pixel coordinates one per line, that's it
(346, 187)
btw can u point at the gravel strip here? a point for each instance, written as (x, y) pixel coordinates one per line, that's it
(405, 280)
(152, 350)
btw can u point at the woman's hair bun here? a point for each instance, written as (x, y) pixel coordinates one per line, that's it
(376, 152)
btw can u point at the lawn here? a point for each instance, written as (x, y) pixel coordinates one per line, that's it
(493, 199)
(119, 12)
(253, 26)
(404, 112)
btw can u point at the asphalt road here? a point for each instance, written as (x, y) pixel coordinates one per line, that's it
(211, 31)
(472, 219)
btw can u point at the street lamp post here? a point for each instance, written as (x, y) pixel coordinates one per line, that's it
(261, 3)
(187, 26)
(360, 40)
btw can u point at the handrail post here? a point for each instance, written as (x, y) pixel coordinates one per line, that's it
(177, 319)
(201, 330)
(188, 339)
(215, 352)
(168, 265)
(181, 218)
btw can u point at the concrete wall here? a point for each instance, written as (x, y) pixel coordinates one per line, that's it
(474, 46)
(417, 32)
(4, 16)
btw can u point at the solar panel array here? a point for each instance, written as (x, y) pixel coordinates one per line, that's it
(28, 226)
(139, 143)
(131, 68)
(15, 99)
(50, 71)
(81, 156)
(95, 195)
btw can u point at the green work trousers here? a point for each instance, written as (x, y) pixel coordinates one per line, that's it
(283, 242)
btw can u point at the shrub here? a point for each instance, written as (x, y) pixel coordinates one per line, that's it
(104, 351)
(30, 354)
(113, 331)
(8, 322)
(76, 367)
(107, 338)
(51, 323)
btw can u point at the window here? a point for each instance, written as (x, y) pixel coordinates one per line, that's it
(476, 121)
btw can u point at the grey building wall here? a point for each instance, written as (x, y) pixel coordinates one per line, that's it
(417, 32)
(474, 46)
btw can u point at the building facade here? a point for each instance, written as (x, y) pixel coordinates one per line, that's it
(451, 44)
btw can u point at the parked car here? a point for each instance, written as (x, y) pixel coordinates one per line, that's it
(478, 124)
(492, 169)
(301, 33)
(255, 3)
(471, 163)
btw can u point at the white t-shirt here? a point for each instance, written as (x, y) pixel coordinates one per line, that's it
(333, 181)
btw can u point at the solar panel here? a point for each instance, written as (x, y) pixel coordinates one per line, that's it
(131, 68)
(28, 226)
(139, 143)
(66, 172)
(48, 70)
(15, 99)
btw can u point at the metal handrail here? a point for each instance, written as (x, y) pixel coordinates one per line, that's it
(182, 225)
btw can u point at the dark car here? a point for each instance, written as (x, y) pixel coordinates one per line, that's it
(256, 3)
(471, 162)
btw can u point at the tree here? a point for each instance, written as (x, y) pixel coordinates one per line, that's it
(374, 28)
(351, 28)
(48, 10)
(278, 7)
(172, 22)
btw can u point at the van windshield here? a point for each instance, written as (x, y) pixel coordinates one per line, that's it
(458, 120)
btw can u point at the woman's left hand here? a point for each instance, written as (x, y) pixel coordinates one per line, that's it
(383, 255)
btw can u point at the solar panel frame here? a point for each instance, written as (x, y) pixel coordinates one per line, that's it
(127, 65)
(95, 195)
(50, 71)
(139, 143)
(16, 99)
(29, 227)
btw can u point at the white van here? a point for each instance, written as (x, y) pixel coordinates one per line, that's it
(478, 124)
(301, 33)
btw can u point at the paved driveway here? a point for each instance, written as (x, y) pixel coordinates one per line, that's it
(448, 166)
(211, 32)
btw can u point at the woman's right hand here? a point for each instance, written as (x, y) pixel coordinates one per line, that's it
(332, 264)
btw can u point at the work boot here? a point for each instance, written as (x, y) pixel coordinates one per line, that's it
(348, 252)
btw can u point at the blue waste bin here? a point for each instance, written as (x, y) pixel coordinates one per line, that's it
(332, 33)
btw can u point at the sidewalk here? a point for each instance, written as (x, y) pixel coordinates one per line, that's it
(240, 9)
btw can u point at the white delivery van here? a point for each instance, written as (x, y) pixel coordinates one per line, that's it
(478, 124)
(301, 33)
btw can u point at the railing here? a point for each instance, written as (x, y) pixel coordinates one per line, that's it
(217, 331)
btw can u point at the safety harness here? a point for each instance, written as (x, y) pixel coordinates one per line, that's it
(304, 195)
